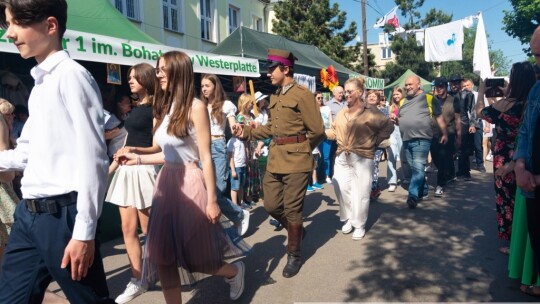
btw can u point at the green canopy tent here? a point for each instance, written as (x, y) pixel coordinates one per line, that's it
(426, 85)
(98, 32)
(250, 43)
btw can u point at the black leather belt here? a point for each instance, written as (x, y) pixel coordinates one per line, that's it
(51, 204)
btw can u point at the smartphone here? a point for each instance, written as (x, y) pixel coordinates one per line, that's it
(493, 92)
(494, 82)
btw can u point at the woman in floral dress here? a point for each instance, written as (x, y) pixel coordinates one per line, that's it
(506, 115)
(8, 198)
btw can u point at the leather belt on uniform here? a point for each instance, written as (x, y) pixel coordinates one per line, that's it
(51, 204)
(289, 139)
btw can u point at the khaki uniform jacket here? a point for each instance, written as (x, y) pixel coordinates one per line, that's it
(292, 111)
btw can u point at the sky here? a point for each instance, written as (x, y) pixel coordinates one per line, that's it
(492, 12)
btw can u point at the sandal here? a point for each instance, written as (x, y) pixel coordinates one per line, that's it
(504, 250)
(533, 291)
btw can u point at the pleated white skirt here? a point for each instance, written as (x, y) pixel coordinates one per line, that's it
(133, 186)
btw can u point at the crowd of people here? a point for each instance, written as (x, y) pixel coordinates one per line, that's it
(164, 157)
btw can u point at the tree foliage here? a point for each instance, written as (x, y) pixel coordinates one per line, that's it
(316, 23)
(522, 20)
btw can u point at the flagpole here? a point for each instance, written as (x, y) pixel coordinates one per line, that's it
(364, 37)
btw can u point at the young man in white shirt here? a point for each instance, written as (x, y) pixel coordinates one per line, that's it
(63, 154)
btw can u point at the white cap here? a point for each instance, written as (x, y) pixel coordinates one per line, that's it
(259, 96)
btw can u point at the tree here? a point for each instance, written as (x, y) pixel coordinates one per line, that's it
(522, 21)
(316, 23)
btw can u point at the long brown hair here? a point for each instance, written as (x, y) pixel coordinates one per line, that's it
(180, 90)
(219, 97)
(145, 75)
(393, 104)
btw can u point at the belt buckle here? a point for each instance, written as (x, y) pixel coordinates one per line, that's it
(32, 205)
(52, 206)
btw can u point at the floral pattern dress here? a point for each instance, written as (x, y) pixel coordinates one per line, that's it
(252, 187)
(506, 130)
(8, 202)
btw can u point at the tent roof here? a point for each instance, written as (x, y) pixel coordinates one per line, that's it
(401, 81)
(254, 44)
(101, 17)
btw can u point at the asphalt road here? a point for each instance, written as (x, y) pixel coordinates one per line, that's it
(443, 251)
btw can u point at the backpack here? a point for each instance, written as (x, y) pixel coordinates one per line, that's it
(429, 99)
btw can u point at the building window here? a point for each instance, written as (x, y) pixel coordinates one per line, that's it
(257, 24)
(171, 13)
(128, 8)
(386, 53)
(207, 19)
(234, 18)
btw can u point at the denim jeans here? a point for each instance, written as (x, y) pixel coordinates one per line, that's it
(394, 155)
(324, 162)
(416, 153)
(219, 159)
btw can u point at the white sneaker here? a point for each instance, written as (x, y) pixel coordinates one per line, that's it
(489, 157)
(237, 282)
(358, 234)
(244, 223)
(347, 228)
(133, 289)
(392, 188)
(439, 191)
(328, 180)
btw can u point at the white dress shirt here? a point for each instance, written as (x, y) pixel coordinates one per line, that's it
(62, 146)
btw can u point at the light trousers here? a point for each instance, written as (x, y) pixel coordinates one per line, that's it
(352, 184)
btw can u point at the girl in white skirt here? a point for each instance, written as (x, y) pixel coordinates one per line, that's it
(185, 240)
(132, 186)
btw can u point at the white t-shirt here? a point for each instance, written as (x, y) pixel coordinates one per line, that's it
(262, 118)
(228, 110)
(325, 114)
(238, 148)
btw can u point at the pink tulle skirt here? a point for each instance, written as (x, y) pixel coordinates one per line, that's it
(180, 234)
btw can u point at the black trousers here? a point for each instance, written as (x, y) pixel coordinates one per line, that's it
(465, 150)
(33, 256)
(443, 157)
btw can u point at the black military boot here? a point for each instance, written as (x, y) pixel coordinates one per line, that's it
(294, 259)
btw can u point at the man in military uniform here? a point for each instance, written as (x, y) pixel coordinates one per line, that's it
(296, 128)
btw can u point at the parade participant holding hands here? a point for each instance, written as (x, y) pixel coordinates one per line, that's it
(63, 154)
(131, 187)
(296, 128)
(358, 129)
(184, 229)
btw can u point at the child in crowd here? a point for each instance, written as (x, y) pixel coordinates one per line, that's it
(315, 184)
(237, 160)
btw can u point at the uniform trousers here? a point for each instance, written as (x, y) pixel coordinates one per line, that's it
(33, 256)
(284, 195)
(352, 184)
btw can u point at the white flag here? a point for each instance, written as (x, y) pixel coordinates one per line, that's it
(390, 18)
(481, 65)
(444, 42)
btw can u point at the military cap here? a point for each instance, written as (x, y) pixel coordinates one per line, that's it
(277, 57)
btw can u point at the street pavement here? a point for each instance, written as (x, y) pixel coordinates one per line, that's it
(443, 251)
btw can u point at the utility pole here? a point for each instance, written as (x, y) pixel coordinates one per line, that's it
(364, 38)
